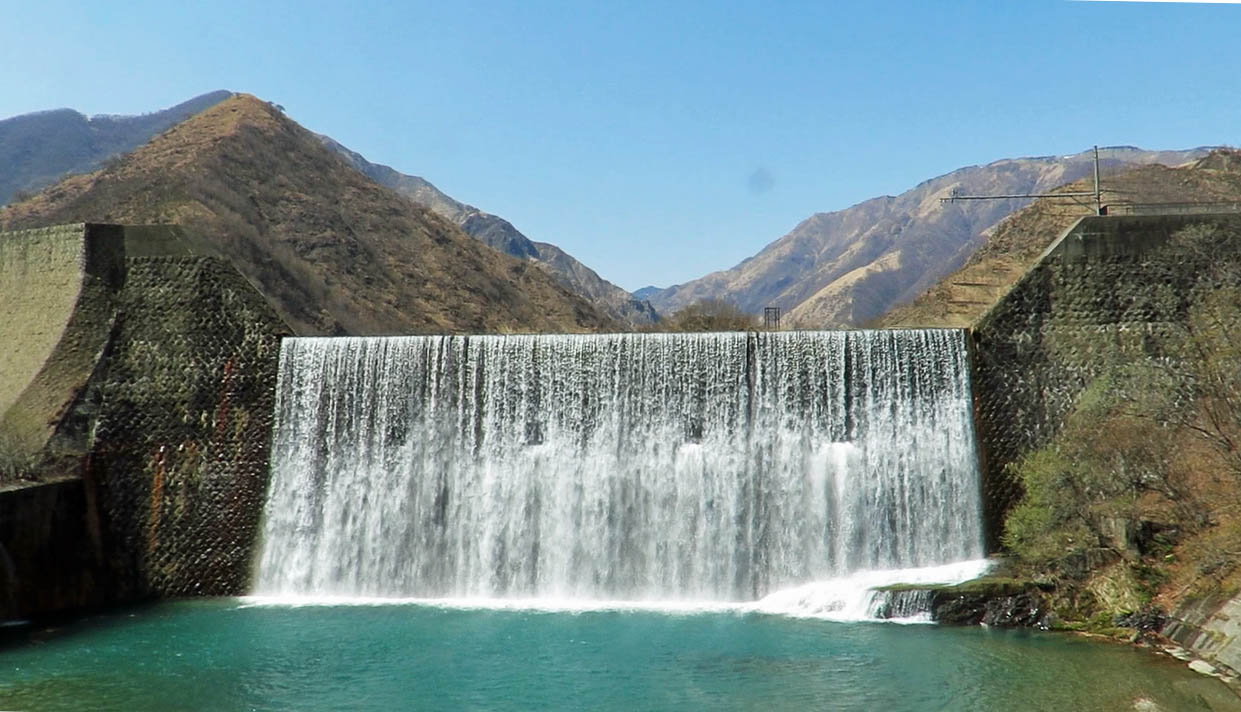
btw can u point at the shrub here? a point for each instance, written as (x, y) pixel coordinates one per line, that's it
(709, 315)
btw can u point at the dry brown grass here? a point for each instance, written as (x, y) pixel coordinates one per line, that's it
(333, 251)
(1015, 245)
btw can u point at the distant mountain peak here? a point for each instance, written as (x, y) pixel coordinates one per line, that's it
(37, 150)
(1014, 244)
(227, 117)
(501, 235)
(847, 267)
(40, 148)
(1220, 159)
(188, 107)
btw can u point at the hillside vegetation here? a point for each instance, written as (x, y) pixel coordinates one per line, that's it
(333, 251)
(1132, 507)
(1135, 505)
(708, 315)
(501, 235)
(42, 148)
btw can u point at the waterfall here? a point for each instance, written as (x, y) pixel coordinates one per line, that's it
(717, 467)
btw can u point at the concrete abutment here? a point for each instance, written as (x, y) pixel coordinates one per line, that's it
(136, 418)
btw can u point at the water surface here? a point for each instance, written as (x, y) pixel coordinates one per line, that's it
(230, 655)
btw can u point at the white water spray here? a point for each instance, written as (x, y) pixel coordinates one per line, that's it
(712, 467)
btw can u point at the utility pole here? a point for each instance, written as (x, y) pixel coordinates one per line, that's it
(1097, 193)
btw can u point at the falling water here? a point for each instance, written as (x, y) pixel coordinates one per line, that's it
(717, 467)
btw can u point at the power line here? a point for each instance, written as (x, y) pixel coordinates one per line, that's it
(1097, 194)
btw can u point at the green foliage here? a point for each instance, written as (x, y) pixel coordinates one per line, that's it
(1150, 579)
(1048, 522)
(1090, 486)
(1144, 470)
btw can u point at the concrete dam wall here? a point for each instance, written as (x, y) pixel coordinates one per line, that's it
(138, 382)
(58, 292)
(135, 418)
(1110, 291)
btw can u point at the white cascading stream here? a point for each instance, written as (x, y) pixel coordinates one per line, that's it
(716, 467)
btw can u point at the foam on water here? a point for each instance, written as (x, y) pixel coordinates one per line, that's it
(854, 597)
(851, 599)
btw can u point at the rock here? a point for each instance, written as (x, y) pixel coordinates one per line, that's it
(1020, 611)
(1179, 653)
(1146, 619)
(1001, 603)
(1080, 564)
(1203, 667)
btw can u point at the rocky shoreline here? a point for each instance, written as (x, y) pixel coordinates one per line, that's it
(991, 601)
(1205, 634)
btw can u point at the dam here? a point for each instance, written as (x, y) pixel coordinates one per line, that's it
(382, 490)
(717, 467)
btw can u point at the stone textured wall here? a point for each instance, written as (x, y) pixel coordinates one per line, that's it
(1211, 628)
(180, 456)
(161, 453)
(1112, 290)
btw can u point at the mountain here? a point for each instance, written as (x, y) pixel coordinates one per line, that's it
(645, 293)
(501, 235)
(335, 252)
(1010, 249)
(38, 149)
(848, 267)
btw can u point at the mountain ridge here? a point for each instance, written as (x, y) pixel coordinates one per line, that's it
(845, 268)
(501, 235)
(42, 147)
(1015, 244)
(335, 252)
(834, 269)
(39, 148)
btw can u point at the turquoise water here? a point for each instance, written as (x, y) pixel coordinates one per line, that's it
(222, 654)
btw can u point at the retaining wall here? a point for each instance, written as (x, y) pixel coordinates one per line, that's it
(1111, 290)
(156, 432)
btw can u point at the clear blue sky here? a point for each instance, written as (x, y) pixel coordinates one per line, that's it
(658, 141)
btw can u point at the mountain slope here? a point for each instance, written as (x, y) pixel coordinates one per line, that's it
(959, 299)
(38, 149)
(847, 267)
(501, 235)
(333, 251)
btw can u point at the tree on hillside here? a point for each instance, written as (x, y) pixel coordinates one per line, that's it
(709, 315)
(1148, 464)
